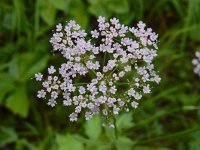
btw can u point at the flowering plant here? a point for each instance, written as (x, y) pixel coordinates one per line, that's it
(115, 65)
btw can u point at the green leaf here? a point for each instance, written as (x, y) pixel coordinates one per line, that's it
(194, 34)
(68, 142)
(18, 102)
(8, 21)
(118, 6)
(194, 144)
(150, 148)
(21, 71)
(103, 147)
(22, 143)
(47, 12)
(79, 13)
(6, 85)
(7, 136)
(124, 121)
(20, 64)
(14, 68)
(38, 66)
(124, 143)
(163, 148)
(60, 4)
(93, 127)
(99, 8)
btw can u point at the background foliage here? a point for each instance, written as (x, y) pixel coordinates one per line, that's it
(168, 119)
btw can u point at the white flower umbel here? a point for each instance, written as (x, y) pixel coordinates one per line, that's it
(196, 63)
(105, 72)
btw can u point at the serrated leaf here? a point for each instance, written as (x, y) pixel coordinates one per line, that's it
(68, 142)
(18, 102)
(93, 127)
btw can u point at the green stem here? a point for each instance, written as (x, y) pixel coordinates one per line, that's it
(104, 59)
(122, 83)
(115, 129)
(81, 83)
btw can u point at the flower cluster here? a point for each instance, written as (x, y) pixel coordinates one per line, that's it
(104, 74)
(196, 63)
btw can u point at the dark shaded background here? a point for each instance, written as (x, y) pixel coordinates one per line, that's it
(168, 119)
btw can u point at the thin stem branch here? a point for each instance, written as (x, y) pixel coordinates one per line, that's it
(81, 83)
(104, 59)
(122, 83)
(115, 129)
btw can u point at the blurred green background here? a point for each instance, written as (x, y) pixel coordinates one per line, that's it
(168, 119)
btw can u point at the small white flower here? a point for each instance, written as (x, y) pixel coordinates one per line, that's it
(105, 112)
(197, 54)
(51, 70)
(127, 68)
(67, 102)
(102, 88)
(41, 94)
(55, 78)
(88, 115)
(59, 27)
(196, 63)
(49, 78)
(95, 34)
(141, 25)
(116, 110)
(52, 102)
(121, 103)
(71, 88)
(101, 19)
(134, 104)
(81, 90)
(105, 69)
(111, 126)
(38, 77)
(73, 117)
(54, 94)
(113, 89)
(157, 79)
(78, 109)
(137, 96)
(146, 89)
(114, 21)
(121, 74)
(131, 92)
